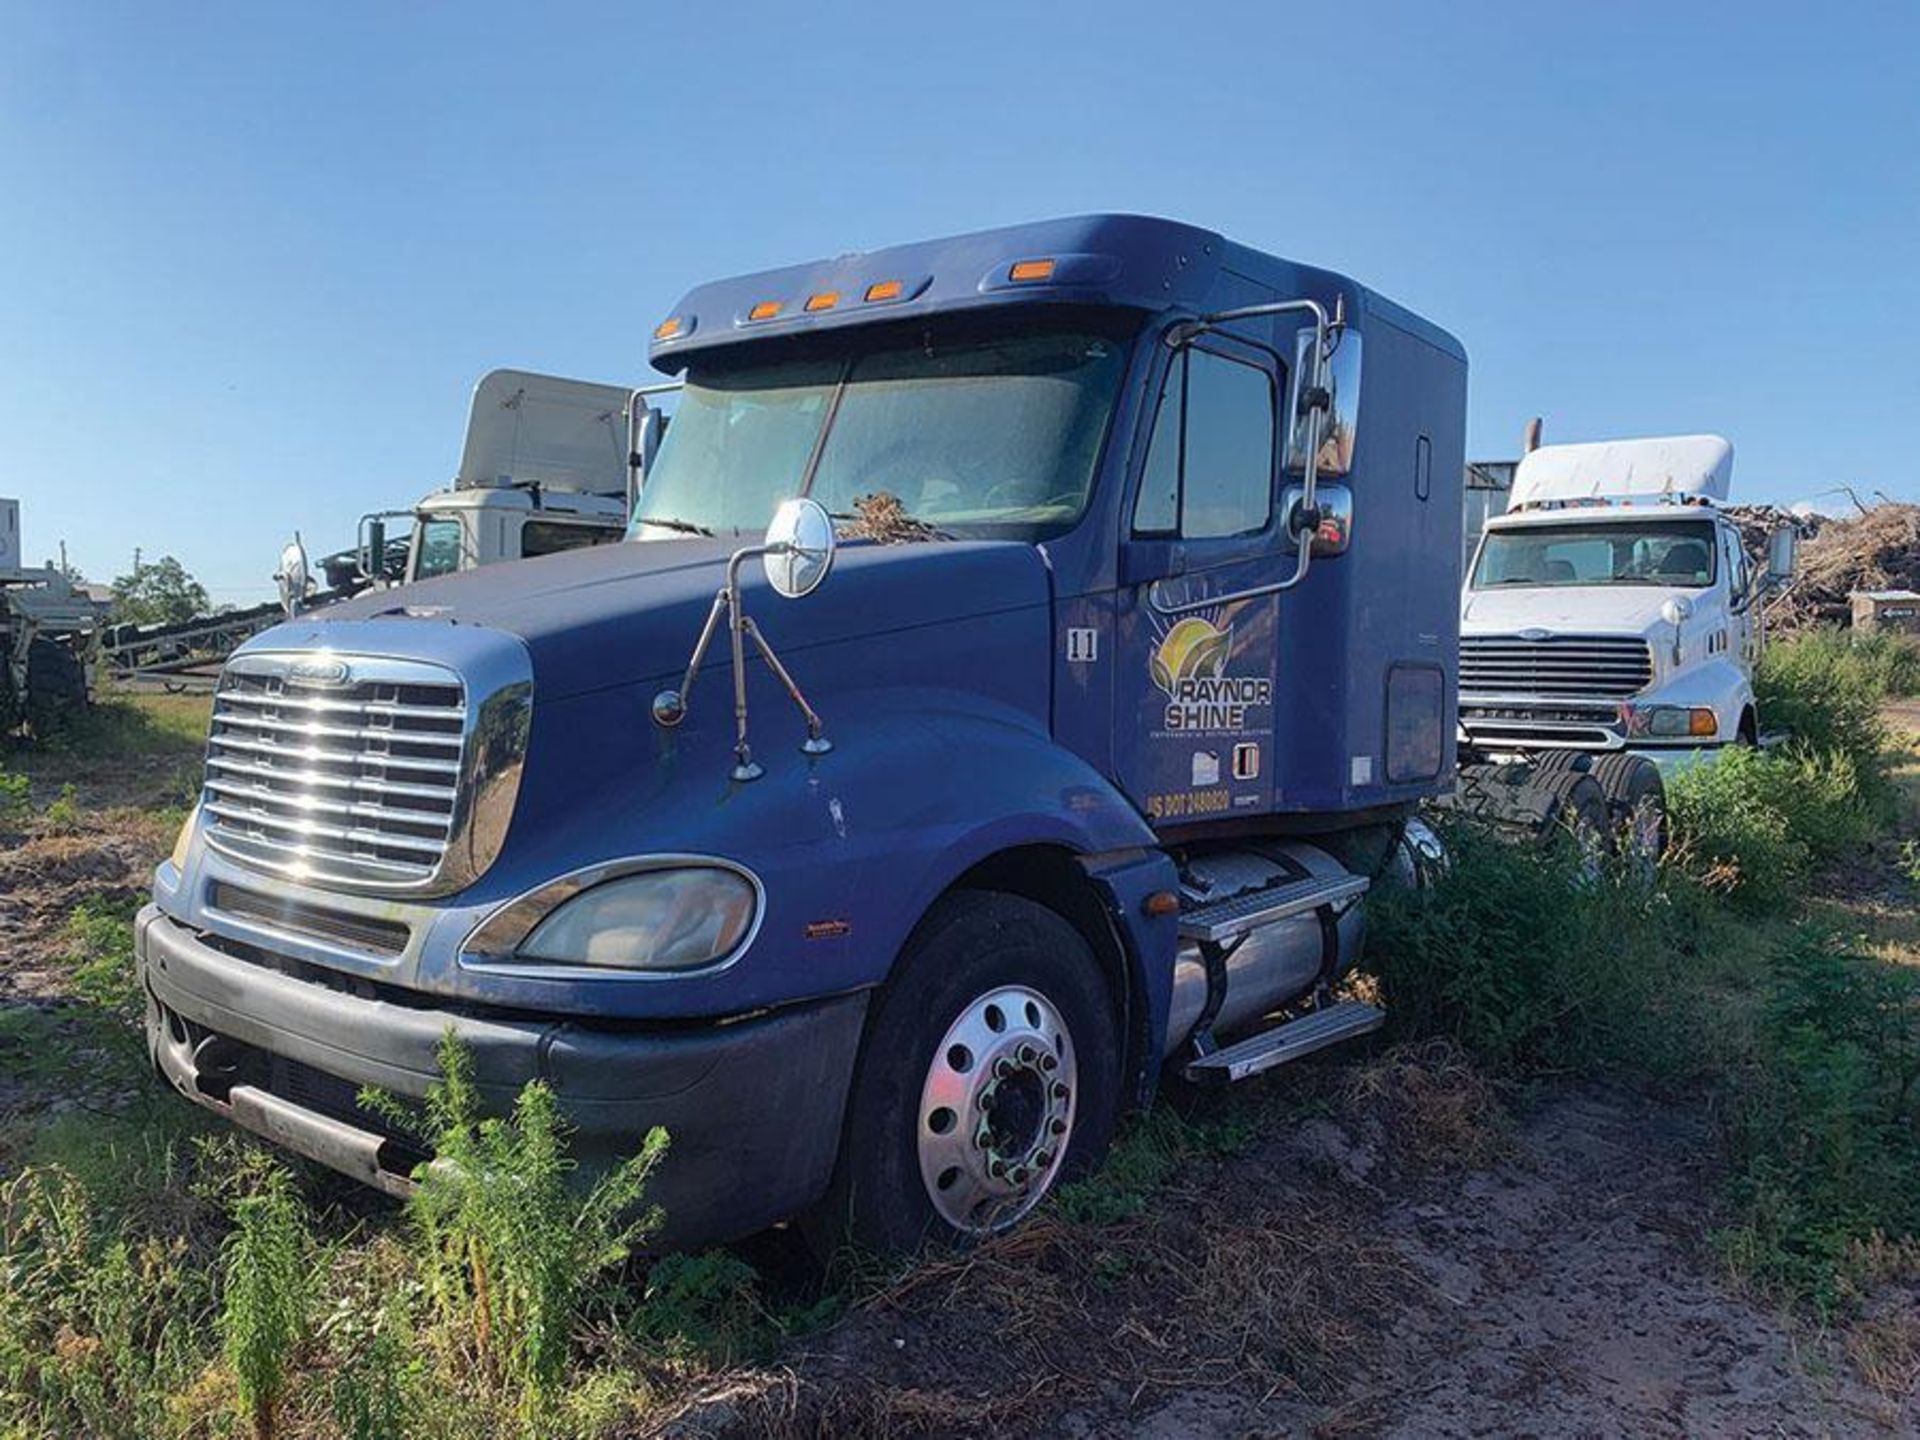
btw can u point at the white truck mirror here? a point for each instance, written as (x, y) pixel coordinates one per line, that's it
(1781, 548)
(293, 576)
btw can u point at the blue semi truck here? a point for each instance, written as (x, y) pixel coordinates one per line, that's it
(1029, 647)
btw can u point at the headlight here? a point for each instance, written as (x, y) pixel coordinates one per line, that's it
(662, 919)
(1670, 722)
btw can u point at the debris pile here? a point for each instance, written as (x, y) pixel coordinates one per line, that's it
(880, 516)
(1878, 549)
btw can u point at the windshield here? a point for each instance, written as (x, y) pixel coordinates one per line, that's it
(1674, 553)
(995, 437)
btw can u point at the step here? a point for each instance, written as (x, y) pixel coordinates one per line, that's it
(1221, 920)
(1268, 1048)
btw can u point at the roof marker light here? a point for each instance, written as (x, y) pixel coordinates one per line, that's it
(884, 290)
(667, 328)
(765, 310)
(825, 300)
(1031, 270)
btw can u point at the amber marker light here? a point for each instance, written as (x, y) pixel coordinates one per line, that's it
(825, 300)
(1031, 270)
(765, 310)
(884, 290)
(667, 328)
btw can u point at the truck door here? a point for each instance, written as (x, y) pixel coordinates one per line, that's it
(1194, 716)
(1743, 630)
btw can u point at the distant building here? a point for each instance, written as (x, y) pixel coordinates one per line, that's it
(1895, 610)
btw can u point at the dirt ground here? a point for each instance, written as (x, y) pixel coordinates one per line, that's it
(1322, 1284)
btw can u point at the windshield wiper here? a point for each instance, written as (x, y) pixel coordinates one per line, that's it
(667, 522)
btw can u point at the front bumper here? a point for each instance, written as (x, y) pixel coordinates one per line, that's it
(753, 1106)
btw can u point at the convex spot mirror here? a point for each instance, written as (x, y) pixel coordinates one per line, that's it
(293, 577)
(799, 549)
(1781, 548)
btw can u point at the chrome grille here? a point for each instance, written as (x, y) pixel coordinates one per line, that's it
(1575, 665)
(353, 775)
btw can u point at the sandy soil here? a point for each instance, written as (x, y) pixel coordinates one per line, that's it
(1562, 1289)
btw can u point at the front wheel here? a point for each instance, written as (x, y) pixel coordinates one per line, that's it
(990, 1071)
(1636, 806)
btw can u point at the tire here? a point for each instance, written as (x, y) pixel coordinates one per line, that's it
(1570, 802)
(1038, 1100)
(1636, 806)
(56, 682)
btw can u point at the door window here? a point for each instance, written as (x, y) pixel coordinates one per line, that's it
(1737, 577)
(438, 549)
(1209, 469)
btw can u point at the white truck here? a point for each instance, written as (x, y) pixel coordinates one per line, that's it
(549, 464)
(1609, 627)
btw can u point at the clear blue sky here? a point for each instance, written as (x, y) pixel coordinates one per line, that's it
(254, 257)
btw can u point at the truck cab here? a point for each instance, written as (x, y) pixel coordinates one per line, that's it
(1610, 624)
(549, 464)
(1029, 648)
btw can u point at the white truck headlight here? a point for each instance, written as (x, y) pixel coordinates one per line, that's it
(660, 919)
(1670, 722)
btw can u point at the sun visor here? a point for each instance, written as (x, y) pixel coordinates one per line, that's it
(528, 429)
(1676, 468)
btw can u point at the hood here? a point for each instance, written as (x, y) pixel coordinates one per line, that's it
(619, 614)
(1567, 609)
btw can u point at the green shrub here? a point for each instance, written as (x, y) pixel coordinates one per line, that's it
(1752, 824)
(1827, 692)
(509, 1249)
(1732, 830)
(100, 953)
(267, 1296)
(16, 796)
(1529, 964)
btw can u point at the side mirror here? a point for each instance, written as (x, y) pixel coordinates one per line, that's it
(373, 547)
(293, 577)
(1782, 546)
(799, 548)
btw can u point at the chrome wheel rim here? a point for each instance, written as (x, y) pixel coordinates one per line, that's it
(996, 1110)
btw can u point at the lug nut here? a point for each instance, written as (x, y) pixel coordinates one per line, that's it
(1026, 1053)
(997, 1169)
(1049, 1063)
(1059, 1090)
(1058, 1127)
(1002, 1068)
(1042, 1160)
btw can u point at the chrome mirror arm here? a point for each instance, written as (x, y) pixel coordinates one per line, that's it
(670, 706)
(1315, 399)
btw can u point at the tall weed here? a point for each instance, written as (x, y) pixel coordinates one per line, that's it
(1518, 954)
(267, 1298)
(510, 1249)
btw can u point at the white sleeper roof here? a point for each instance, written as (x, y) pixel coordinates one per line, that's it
(1676, 468)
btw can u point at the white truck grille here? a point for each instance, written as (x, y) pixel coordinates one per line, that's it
(326, 767)
(1564, 665)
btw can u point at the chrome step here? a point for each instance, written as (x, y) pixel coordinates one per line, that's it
(1224, 919)
(1268, 1048)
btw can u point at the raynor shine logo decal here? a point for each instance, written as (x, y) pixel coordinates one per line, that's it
(1191, 667)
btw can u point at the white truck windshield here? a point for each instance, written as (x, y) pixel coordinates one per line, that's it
(1673, 553)
(984, 436)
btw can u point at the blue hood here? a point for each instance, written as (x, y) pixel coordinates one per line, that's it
(620, 614)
